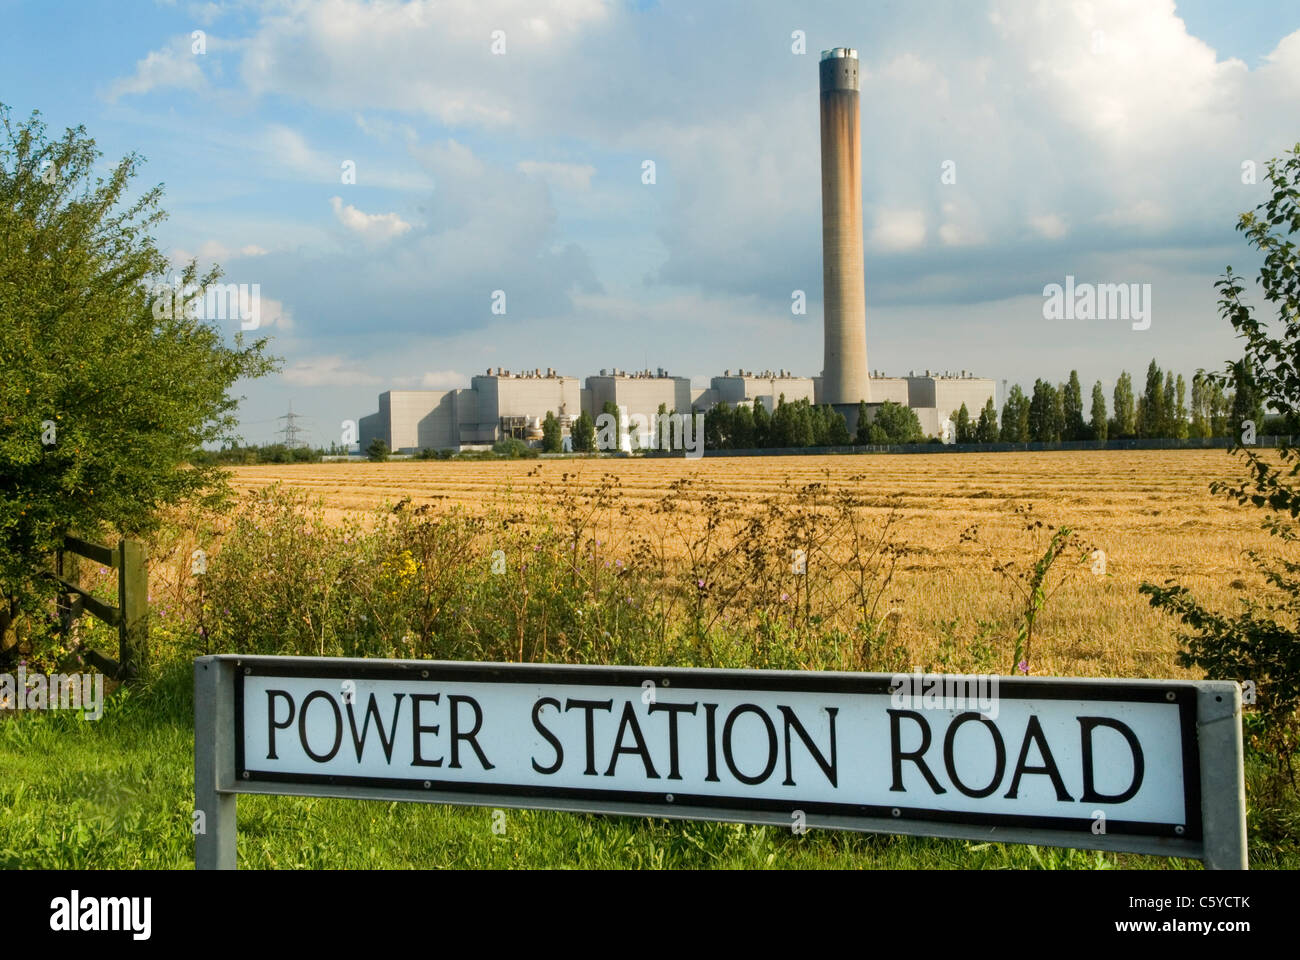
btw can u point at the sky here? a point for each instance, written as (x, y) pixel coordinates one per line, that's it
(380, 170)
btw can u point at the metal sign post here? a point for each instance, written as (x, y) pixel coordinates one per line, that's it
(1145, 766)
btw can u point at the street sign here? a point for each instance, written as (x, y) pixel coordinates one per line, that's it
(1143, 766)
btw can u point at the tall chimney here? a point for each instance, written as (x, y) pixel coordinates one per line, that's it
(844, 375)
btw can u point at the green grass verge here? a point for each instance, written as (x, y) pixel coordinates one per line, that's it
(117, 793)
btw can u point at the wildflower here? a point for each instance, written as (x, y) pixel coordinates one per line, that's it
(700, 584)
(1023, 666)
(785, 597)
(618, 563)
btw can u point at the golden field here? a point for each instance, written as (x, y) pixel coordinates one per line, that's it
(1151, 512)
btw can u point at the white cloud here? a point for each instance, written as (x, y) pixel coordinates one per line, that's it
(329, 371)
(443, 380)
(371, 226)
(171, 67)
(1049, 225)
(896, 230)
(563, 176)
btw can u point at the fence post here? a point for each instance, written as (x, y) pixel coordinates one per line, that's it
(133, 604)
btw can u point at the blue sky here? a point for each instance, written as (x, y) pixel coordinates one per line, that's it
(1102, 140)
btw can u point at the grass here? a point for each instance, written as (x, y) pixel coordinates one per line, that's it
(118, 794)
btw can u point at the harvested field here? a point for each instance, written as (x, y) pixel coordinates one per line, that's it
(1151, 513)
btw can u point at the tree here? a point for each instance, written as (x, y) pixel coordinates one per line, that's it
(552, 434)
(839, 431)
(1246, 403)
(106, 400)
(783, 428)
(1200, 406)
(897, 424)
(1042, 413)
(864, 426)
(1220, 410)
(378, 450)
(762, 425)
(1072, 402)
(1180, 426)
(986, 431)
(1125, 422)
(583, 433)
(717, 427)
(742, 428)
(1151, 406)
(965, 430)
(1015, 416)
(1098, 425)
(1260, 642)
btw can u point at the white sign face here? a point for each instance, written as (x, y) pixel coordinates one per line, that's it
(1033, 753)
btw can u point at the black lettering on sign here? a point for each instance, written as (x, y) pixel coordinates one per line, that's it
(771, 743)
(1090, 794)
(672, 709)
(271, 725)
(792, 721)
(999, 749)
(628, 722)
(372, 709)
(590, 706)
(454, 701)
(417, 728)
(917, 756)
(1034, 732)
(302, 726)
(554, 740)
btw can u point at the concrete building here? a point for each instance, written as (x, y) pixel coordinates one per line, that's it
(641, 392)
(767, 387)
(500, 403)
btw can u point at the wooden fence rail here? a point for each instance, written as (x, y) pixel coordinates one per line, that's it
(130, 616)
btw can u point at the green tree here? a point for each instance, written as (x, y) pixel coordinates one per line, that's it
(1072, 402)
(378, 450)
(1125, 422)
(742, 428)
(1180, 425)
(1200, 427)
(1099, 425)
(717, 427)
(1261, 642)
(783, 428)
(839, 431)
(1246, 401)
(552, 434)
(986, 431)
(583, 433)
(1042, 413)
(1151, 405)
(762, 425)
(965, 429)
(1220, 410)
(106, 398)
(897, 424)
(863, 435)
(1015, 416)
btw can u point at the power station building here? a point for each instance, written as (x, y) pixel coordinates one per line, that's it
(502, 404)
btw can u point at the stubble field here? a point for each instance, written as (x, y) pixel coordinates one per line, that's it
(1150, 512)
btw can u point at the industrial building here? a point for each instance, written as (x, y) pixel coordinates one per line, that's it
(502, 404)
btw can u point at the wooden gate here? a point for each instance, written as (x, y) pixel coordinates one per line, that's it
(130, 616)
